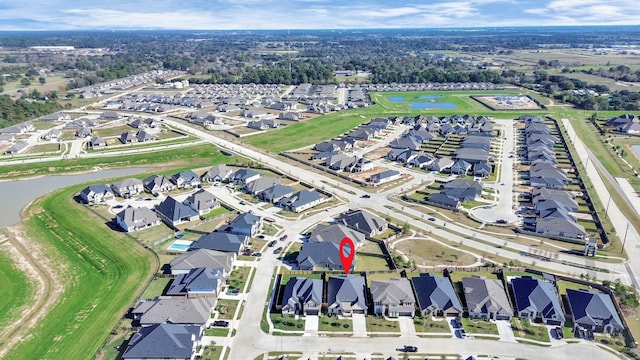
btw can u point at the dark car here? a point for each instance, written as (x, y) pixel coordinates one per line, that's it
(278, 250)
(221, 323)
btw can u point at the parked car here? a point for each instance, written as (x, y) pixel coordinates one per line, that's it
(221, 323)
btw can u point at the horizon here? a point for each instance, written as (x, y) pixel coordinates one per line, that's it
(238, 15)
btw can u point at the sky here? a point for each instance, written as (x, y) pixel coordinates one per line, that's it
(309, 14)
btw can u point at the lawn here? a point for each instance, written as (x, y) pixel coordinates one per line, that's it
(104, 271)
(331, 323)
(227, 308)
(193, 156)
(16, 290)
(427, 252)
(380, 324)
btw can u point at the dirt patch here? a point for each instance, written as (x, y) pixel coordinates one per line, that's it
(31, 258)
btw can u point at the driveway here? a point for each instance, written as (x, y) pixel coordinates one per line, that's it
(311, 325)
(505, 331)
(359, 325)
(407, 327)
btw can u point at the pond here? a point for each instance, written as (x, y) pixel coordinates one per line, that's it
(16, 194)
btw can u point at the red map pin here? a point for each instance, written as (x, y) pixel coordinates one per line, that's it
(347, 259)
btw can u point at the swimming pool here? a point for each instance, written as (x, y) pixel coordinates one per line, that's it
(180, 245)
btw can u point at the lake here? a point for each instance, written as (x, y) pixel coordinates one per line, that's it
(16, 194)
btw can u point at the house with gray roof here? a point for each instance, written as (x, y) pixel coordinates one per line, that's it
(301, 201)
(346, 295)
(186, 179)
(174, 212)
(259, 185)
(127, 188)
(537, 299)
(393, 297)
(335, 233)
(321, 256)
(134, 219)
(157, 184)
(385, 176)
(198, 282)
(164, 341)
(244, 176)
(96, 194)
(202, 201)
(246, 224)
(201, 258)
(217, 173)
(221, 241)
(593, 311)
(486, 298)
(185, 311)
(363, 221)
(435, 295)
(302, 296)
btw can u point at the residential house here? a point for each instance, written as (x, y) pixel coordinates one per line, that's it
(134, 219)
(335, 233)
(127, 188)
(385, 176)
(201, 258)
(96, 194)
(164, 341)
(198, 282)
(435, 295)
(222, 241)
(217, 173)
(537, 300)
(157, 184)
(244, 176)
(301, 201)
(321, 256)
(182, 311)
(363, 221)
(246, 224)
(302, 296)
(393, 297)
(346, 295)
(174, 213)
(462, 189)
(486, 298)
(202, 201)
(186, 179)
(593, 311)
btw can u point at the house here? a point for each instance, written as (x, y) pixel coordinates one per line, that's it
(127, 188)
(221, 241)
(363, 221)
(346, 295)
(486, 298)
(385, 176)
(157, 184)
(302, 296)
(301, 201)
(186, 179)
(462, 189)
(335, 233)
(202, 201)
(96, 194)
(174, 213)
(440, 164)
(144, 136)
(217, 173)
(537, 300)
(164, 341)
(393, 297)
(244, 176)
(128, 138)
(593, 311)
(275, 193)
(261, 184)
(97, 142)
(198, 282)
(435, 295)
(444, 201)
(134, 219)
(183, 311)
(200, 258)
(17, 148)
(246, 224)
(321, 256)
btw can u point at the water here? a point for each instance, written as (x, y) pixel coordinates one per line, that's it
(396, 99)
(16, 194)
(429, 97)
(429, 105)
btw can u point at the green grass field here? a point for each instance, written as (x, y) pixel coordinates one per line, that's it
(102, 270)
(16, 290)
